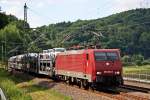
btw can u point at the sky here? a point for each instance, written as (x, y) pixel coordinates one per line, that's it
(44, 12)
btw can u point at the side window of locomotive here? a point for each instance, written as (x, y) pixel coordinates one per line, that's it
(87, 56)
(100, 56)
(112, 56)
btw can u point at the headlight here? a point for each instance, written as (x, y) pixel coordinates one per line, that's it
(117, 72)
(99, 73)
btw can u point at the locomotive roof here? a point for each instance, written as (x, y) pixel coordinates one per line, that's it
(85, 50)
(106, 49)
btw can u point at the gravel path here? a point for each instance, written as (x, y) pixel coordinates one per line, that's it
(78, 94)
(73, 92)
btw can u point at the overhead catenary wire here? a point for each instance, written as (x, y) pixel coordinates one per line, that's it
(41, 15)
(27, 1)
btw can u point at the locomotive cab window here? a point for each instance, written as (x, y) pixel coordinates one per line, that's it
(103, 56)
(100, 56)
(112, 56)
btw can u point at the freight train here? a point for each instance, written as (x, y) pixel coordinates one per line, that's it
(86, 68)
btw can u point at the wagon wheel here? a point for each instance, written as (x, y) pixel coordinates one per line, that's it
(70, 82)
(91, 87)
(67, 82)
(85, 84)
(80, 84)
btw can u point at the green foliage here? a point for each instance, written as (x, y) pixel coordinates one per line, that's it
(3, 20)
(129, 31)
(138, 59)
(24, 87)
(9, 87)
(11, 32)
(34, 49)
(146, 62)
(6, 19)
(126, 60)
(134, 60)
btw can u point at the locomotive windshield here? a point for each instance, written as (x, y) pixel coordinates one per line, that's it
(103, 56)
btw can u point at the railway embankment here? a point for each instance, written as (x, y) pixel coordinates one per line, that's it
(20, 86)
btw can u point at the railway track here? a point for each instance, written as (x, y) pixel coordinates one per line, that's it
(123, 95)
(111, 94)
(135, 88)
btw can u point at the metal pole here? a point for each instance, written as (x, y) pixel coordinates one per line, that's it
(2, 54)
(25, 15)
(5, 60)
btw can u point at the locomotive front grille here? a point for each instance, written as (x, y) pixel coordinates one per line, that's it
(109, 80)
(105, 79)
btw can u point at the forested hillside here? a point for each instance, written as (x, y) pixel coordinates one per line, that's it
(12, 35)
(128, 31)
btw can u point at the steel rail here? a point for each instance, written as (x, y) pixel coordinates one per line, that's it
(135, 88)
(2, 96)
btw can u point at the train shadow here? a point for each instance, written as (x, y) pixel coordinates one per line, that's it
(44, 80)
(110, 90)
(31, 82)
(47, 84)
(33, 88)
(20, 77)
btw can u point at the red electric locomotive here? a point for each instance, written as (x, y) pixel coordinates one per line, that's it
(90, 67)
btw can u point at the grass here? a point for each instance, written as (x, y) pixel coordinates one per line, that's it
(145, 69)
(21, 87)
(11, 90)
(48, 95)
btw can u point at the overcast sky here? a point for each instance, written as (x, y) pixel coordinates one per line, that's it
(44, 12)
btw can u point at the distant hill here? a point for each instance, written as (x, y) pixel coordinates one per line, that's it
(129, 31)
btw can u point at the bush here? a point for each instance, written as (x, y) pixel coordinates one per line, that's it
(138, 62)
(135, 60)
(138, 59)
(146, 62)
(126, 60)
